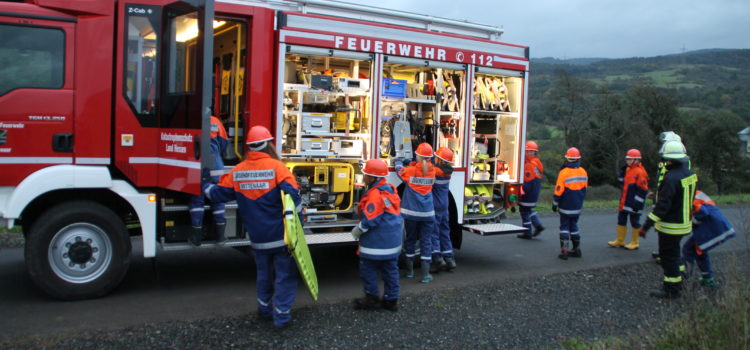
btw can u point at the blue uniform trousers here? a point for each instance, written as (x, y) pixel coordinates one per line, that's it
(276, 285)
(690, 256)
(635, 219)
(529, 218)
(388, 270)
(569, 227)
(196, 203)
(441, 236)
(421, 230)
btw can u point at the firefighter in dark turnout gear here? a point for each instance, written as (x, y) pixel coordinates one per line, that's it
(570, 191)
(671, 216)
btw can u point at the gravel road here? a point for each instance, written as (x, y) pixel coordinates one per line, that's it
(523, 313)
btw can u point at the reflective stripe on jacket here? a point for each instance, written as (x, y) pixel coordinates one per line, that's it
(256, 184)
(532, 181)
(417, 204)
(710, 227)
(570, 189)
(671, 213)
(380, 222)
(441, 188)
(634, 188)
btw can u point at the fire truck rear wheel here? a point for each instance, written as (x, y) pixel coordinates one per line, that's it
(77, 250)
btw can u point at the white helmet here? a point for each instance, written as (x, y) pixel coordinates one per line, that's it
(673, 150)
(669, 136)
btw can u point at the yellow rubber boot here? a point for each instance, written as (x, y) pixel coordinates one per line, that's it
(622, 231)
(633, 245)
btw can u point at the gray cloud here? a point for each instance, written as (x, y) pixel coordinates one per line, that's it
(600, 28)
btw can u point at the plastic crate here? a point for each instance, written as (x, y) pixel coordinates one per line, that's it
(394, 88)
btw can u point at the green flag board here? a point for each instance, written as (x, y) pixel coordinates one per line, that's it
(294, 236)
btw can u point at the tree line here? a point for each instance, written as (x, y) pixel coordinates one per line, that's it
(604, 123)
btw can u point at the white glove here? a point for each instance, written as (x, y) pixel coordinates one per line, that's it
(357, 232)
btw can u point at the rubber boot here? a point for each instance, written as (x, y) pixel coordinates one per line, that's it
(221, 239)
(537, 230)
(390, 305)
(409, 268)
(564, 250)
(622, 231)
(450, 264)
(195, 235)
(368, 302)
(426, 277)
(437, 264)
(576, 251)
(633, 245)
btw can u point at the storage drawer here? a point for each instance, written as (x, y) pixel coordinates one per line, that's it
(348, 148)
(316, 145)
(316, 122)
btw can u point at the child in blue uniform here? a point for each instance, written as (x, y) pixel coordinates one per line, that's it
(710, 229)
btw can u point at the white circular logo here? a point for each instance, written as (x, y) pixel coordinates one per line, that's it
(459, 56)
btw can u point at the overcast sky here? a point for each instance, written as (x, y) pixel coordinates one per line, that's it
(599, 28)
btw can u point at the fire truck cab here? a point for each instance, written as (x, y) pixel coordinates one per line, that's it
(105, 118)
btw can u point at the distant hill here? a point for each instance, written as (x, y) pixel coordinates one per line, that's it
(711, 79)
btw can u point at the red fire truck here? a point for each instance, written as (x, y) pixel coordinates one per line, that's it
(105, 109)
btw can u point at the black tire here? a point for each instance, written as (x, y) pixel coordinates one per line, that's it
(77, 250)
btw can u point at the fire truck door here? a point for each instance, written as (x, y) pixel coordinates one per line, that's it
(36, 64)
(184, 117)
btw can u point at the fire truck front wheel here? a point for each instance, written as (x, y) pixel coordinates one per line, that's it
(77, 250)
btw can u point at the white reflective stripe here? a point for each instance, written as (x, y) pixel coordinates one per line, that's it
(639, 199)
(527, 204)
(442, 182)
(703, 196)
(196, 209)
(279, 311)
(620, 179)
(418, 213)
(564, 231)
(375, 251)
(261, 302)
(576, 179)
(717, 239)
(165, 161)
(217, 172)
(626, 208)
(570, 212)
(218, 212)
(526, 223)
(532, 215)
(411, 255)
(92, 160)
(207, 191)
(536, 172)
(362, 228)
(387, 202)
(447, 251)
(428, 258)
(575, 233)
(554, 202)
(269, 245)
(36, 160)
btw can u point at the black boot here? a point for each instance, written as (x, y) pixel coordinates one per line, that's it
(576, 251)
(390, 305)
(437, 264)
(664, 294)
(368, 302)
(196, 234)
(537, 230)
(450, 264)
(221, 239)
(564, 249)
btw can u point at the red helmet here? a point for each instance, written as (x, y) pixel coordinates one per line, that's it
(376, 168)
(532, 146)
(445, 154)
(573, 153)
(258, 134)
(633, 154)
(424, 149)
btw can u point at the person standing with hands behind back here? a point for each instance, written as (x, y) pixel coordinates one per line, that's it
(672, 215)
(418, 209)
(532, 187)
(256, 183)
(570, 191)
(634, 181)
(380, 233)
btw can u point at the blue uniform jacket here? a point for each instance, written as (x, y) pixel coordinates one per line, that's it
(380, 222)
(710, 227)
(570, 189)
(417, 203)
(441, 188)
(256, 183)
(532, 182)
